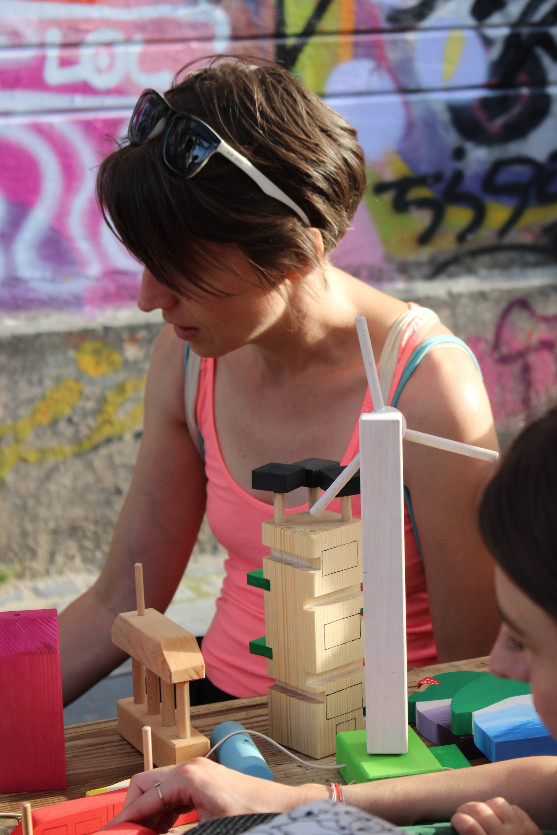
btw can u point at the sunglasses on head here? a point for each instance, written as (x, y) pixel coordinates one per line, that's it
(188, 143)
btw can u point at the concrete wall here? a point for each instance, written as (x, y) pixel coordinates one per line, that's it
(455, 106)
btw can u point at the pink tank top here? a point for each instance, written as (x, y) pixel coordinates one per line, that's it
(235, 518)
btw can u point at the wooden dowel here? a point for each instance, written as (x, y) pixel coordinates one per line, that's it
(279, 508)
(450, 446)
(168, 708)
(313, 495)
(139, 591)
(147, 748)
(183, 720)
(138, 681)
(346, 508)
(153, 693)
(26, 818)
(369, 363)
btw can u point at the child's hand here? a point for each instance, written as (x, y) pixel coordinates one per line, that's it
(491, 818)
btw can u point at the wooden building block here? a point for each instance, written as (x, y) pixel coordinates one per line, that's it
(450, 756)
(278, 478)
(305, 536)
(449, 684)
(33, 756)
(312, 468)
(168, 748)
(82, 816)
(311, 633)
(384, 582)
(480, 693)
(329, 474)
(361, 767)
(309, 722)
(165, 658)
(313, 628)
(87, 815)
(510, 729)
(161, 645)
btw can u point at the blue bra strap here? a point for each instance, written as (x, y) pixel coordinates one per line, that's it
(419, 353)
(415, 358)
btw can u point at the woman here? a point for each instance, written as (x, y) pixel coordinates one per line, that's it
(519, 524)
(234, 224)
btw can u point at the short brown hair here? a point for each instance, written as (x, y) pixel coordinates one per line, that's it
(285, 130)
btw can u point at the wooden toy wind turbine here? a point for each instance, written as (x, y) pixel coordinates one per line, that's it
(382, 510)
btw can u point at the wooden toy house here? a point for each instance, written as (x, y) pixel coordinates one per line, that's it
(165, 658)
(313, 625)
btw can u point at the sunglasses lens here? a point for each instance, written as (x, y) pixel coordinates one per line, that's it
(188, 145)
(148, 112)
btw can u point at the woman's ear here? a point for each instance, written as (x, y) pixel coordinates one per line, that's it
(317, 241)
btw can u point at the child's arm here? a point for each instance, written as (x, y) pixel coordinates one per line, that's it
(528, 783)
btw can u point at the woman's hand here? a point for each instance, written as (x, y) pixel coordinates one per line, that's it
(491, 818)
(157, 798)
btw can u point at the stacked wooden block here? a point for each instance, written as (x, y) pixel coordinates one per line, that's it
(313, 622)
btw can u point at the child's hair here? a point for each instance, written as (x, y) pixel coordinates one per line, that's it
(518, 512)
(285, 130)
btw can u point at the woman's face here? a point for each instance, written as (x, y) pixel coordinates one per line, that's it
(216, 325)
(526, 647)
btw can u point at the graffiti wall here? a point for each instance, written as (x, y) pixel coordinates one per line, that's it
(453, 101)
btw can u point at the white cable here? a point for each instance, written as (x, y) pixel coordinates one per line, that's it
(276, 744)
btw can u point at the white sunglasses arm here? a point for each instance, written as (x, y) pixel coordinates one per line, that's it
(266, 185)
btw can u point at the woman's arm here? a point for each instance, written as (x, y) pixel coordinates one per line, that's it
(446, 397)
(158, 527)
(216, 791)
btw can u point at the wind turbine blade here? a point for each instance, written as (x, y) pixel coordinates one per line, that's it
(450, 446)
(369, 363)
(336, 486)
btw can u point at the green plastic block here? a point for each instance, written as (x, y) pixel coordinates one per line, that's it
(256, 578)
(450, 756)
(484, 691)
(449, 684)
(361, 767)
(259, 647)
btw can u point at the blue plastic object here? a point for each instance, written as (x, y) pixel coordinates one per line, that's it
(239, 752)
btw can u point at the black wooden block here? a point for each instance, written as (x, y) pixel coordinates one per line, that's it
(328, 474)
(278, 478)
(312, 467)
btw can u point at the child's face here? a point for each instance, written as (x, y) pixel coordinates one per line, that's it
(526, 647)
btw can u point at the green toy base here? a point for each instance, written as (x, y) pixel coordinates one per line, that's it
(361, 767)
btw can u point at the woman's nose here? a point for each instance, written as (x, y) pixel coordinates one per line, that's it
(153, 294)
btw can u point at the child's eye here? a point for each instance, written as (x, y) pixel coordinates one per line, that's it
(513, 644)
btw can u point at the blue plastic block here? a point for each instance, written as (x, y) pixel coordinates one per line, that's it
(510, 729)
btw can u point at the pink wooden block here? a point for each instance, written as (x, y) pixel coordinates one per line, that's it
(33, 756)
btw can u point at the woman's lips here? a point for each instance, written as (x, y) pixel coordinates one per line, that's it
(185, 333)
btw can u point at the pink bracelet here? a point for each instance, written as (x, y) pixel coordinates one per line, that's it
(336, 793)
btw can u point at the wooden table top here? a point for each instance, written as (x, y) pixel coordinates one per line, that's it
(96, 755)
